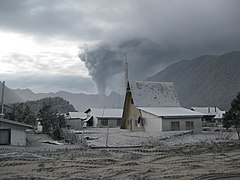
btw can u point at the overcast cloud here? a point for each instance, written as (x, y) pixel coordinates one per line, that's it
(48, 37)
(50, 82)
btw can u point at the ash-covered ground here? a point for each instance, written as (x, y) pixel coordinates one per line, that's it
(171, 155)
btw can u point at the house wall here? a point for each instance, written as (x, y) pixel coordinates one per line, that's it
(95, 122)
(130, 115)
(94, 118)
(166, 123)
(75, 124)
(112, 122)
(134, 114)
(151, 123)
(126, 111)
(18, 133)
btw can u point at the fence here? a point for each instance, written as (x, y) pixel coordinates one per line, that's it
(41, 150)
(73, 138)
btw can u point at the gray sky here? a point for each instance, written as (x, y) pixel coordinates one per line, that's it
(41, 40)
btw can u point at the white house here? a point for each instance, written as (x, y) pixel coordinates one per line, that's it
(104, 117)
(213, 115)
(13, 132)
(154, 107)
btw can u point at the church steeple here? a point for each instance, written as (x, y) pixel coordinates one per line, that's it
(126, 73)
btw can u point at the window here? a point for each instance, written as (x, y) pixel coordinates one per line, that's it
(118, 122)
(104, 122)
(189, 125)
(175, 126)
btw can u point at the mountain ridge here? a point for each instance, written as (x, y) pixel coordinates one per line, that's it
(80, 101)
(207, 80)
(9, 95)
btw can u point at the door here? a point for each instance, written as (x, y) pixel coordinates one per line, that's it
(5, 136)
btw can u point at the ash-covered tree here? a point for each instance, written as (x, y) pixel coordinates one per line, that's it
(22, 113)
(51, 120)
(232, 117)
(29, 116)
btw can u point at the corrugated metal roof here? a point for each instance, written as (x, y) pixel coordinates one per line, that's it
(15, 122)
(107, 113)
(77, 115)
(171, 112)
(154, 94)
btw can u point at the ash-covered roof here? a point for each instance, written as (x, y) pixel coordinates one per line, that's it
(154, 94)
(15, 123)
(171, 112)
(106, 113)
(77, 115)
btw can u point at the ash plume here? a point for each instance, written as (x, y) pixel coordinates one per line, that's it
(144, 56)
(102, 62)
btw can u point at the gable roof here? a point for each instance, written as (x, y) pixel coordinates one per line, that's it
(77, 115)
(171, 112)
(154, 94)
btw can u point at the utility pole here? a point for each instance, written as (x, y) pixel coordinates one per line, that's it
(107, 127)
(2, 103)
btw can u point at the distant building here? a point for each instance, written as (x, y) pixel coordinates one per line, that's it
(104, 117)
(154, 107)
(75, 120)
(213, 115)
(13, 132)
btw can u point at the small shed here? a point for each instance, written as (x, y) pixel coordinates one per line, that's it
(13, 132)
(103, 117)
(154, 107)
(76, 120)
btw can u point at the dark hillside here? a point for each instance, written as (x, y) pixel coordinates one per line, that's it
(206, 80)
(9, 95)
